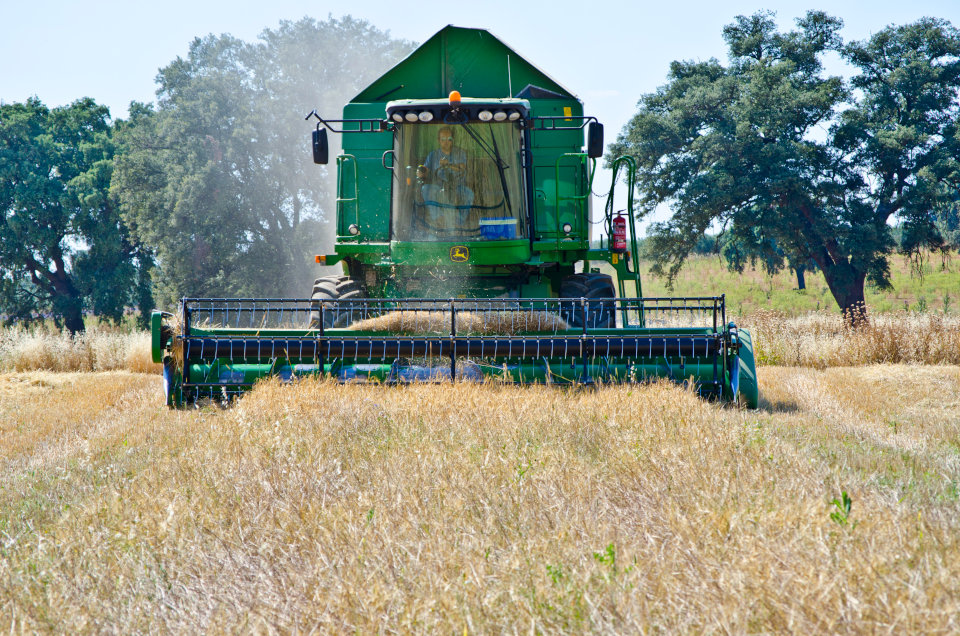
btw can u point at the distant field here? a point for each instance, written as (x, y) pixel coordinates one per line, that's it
(483, 509)
(938, 289)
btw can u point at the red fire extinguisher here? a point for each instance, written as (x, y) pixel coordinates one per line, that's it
(619, 240)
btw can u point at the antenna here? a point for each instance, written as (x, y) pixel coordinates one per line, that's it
(509, 79)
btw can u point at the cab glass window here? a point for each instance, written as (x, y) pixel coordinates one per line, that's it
(459, 182)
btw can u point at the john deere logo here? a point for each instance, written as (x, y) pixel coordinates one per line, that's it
(459, 254)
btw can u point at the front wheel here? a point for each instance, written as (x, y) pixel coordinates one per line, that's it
(601, 306)
(347, 307)
(749, 388)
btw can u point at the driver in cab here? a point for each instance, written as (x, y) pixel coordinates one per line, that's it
(444, 176)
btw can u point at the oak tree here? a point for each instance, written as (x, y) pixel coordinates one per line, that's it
(217, 177)
(775, 152)
(63, 247)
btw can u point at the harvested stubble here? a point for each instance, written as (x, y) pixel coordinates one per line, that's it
(482, 508)
(506, 323)
(822, 339)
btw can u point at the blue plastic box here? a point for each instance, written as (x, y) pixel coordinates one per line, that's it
(495, 228)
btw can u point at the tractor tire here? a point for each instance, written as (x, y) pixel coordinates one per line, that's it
(598, 289)
(341, 289)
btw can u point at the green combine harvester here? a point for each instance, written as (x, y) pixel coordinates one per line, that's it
(464, 234)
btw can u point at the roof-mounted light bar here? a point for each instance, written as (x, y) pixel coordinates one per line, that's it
(457, 110)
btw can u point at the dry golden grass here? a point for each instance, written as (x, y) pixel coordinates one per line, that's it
(95, 350)
(821, 339)
(482, 508)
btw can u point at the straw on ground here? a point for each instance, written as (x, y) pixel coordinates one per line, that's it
(483, 508)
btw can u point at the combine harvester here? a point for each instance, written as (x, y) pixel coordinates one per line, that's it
(464, 233)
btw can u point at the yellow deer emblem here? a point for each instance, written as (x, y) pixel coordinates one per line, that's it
(459, 254)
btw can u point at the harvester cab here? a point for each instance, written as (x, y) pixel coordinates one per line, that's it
(464, 231)
(466, 202)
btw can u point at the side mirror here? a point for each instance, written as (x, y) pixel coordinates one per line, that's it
(595, 140)
(321, 149)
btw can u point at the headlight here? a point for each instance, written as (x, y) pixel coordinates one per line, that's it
(484, 115)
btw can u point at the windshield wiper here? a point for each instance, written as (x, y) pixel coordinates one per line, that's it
(494, 154)
(500, 169)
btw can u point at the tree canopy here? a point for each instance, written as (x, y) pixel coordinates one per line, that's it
(217, 177)
(63, 248)
(798, 166)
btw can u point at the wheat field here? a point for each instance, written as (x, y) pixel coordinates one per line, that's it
(97, 349)
(821, 339)
(329, 508)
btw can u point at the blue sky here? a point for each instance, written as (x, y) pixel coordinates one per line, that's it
(608, 53)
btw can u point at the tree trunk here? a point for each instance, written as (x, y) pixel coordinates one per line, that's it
(73, 318)
(801, 282)
(66, 297)
(846, 284)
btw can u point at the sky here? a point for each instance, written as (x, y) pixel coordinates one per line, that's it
(607, 53)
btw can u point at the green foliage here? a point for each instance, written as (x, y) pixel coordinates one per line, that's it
(795, 166)
(63, 249)
(556, 573)
(707, 244)
(607, 557)
(217, 177)
(947, 224)
(841, 515)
